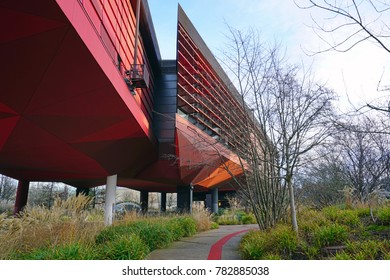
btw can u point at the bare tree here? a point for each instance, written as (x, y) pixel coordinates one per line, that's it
(291, 112)
(322, 181)
(346, 24)
(349, 23)
(7, 188)
(364, 157)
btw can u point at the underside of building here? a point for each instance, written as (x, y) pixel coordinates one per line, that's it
(86, 99)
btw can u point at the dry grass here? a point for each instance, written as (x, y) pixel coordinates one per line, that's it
(71, 225)
(66, 222)
(202, 217)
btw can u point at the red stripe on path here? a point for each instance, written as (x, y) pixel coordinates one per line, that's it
(216, 250)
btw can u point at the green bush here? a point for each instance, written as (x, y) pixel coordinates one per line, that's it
(111, 233)
(283, 240)
(342, 256)
(153, 234)
(156, 236)
(383, 215)
(331, 227)
(227, 220)
(72, 251)
(188, 224)
(344, 217)
(124, 247)
(310, 220)
(330, 235)
(311, 252)
(175, 227)
(363, 212)
(214, 225)
(248, 219)
(368, 249)
(272, 257)
(254, 246)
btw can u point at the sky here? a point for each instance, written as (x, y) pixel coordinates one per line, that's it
(354, 75)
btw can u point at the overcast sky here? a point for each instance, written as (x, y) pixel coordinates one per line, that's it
(356, 72)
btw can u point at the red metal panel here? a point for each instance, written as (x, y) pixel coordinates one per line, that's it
(98, 7)
(202, 88)
(93, 14)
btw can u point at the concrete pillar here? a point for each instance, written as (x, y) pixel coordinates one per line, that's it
(83, 191)
(208, 202)
(144, 201)
(21, 196)
(110, 200)
(163, 205)
(184, 198)
(214, 200)
(191, 197)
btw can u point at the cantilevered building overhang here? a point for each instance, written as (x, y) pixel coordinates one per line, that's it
(66, 111)
(77, 105)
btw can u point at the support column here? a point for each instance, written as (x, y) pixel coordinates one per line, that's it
(163, 205)
(144, 201)
(208, 202)
(214, 200)
(21, 196)
(191, 197)
(110, 200)
(184, 199)
(83, 191)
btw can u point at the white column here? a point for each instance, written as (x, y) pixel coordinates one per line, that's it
(110, 200)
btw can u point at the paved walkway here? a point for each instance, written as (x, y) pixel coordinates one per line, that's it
(217, 244)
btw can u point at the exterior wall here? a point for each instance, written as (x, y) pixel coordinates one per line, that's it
(211, 115)
(205, 95)
(166, 107)
(114, 21)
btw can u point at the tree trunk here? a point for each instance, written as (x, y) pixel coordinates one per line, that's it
(294, 221)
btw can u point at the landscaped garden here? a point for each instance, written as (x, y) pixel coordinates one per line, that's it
(72, 231)
(333, 233)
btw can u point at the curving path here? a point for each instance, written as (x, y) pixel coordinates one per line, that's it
(217, 244)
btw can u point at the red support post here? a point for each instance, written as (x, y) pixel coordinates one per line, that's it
(21, 196)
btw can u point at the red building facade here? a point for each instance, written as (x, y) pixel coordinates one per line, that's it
(78, 106)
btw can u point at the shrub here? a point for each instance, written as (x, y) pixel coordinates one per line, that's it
(284, 240)
(310, 219)
(227, 220)
(383, 215)
(342, 256)
(214, 225)
(272, 257)
(156, 235)
(311, 252)
(248, 219)
(175, 227)
(111, 233)
(188, 224)
(124, 247)
(368, 249)
(73, 251)
(363, 212)
(330, 235)
(67, 222)
(254, 246)
(344, 217)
